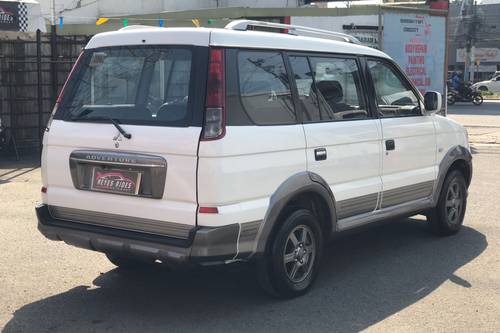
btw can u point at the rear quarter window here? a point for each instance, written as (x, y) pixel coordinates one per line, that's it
(258, 89)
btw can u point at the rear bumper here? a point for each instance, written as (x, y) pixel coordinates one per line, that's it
(204, 244)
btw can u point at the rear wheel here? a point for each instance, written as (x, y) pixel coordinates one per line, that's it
(477, 99)
(448, 216)
(291, 262)
(127, 262)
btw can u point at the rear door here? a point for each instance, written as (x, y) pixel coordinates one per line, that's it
(342, 137)
(408, 140)
(151, 93)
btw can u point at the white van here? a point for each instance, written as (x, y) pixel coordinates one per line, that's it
(194, 145)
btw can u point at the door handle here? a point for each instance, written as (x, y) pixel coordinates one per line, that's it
(320, 154)
(390, 144)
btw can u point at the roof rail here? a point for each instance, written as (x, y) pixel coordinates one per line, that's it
(137, 27)
(243, 25)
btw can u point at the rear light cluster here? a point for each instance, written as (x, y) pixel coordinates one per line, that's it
(214, 126)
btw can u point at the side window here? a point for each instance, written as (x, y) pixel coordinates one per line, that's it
(303, 77)
(338, 88)
(393, 95)
(264, 88)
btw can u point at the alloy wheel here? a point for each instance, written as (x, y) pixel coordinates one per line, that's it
(299, 253)
(454, 203)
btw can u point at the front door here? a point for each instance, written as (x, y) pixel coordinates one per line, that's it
(408, 137)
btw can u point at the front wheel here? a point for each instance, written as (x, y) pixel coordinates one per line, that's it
(451, 99)
(477, 99)
(291, 261)
(448, 215)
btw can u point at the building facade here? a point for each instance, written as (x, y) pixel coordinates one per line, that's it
(479, 28)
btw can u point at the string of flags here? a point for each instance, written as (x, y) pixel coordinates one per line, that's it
(161, 22)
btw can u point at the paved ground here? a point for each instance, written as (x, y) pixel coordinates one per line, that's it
(483, 122)
(394, 277)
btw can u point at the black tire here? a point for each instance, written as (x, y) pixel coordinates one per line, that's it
(442, 220)
(477, 99)
(451, 99)
(284, 256)
(128, 263)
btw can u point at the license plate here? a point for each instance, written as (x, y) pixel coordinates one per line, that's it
(116, 181)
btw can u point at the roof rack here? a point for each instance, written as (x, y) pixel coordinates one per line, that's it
(243, 25)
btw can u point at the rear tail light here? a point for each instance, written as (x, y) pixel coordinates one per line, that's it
(44, 189)
(214, 126)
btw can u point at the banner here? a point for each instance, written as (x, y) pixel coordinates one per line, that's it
(9, 16)
(21, 16)
(481, 54)
(417, 43)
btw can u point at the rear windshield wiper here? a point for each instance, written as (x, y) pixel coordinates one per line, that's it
(113, 121)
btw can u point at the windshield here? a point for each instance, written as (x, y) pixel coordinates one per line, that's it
(132, 85)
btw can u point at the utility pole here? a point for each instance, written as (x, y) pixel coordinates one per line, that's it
(53, 51)
(470, 26)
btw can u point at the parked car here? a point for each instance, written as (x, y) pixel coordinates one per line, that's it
(492, 85)
(213, 146)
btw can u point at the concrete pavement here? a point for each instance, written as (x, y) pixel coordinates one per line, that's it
(392, 277)
(482, 122)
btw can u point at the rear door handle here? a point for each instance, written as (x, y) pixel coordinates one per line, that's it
(320, 154)
(390, 144)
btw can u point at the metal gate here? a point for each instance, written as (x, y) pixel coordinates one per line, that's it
(32, 72)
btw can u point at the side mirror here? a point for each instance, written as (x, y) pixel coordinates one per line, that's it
(433, 101)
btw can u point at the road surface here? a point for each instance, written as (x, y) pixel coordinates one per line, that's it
(392, 277)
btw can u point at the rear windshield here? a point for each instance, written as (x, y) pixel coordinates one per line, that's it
(132, 85)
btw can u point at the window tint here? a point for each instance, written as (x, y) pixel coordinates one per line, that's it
(117, 82)
(393, 95)
(305, 87)
(264, 88)
(338, 89)
(169, 87)
(133, 84)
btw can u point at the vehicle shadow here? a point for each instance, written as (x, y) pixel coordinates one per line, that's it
(366, 277)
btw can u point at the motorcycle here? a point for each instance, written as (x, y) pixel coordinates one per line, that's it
(466, 95)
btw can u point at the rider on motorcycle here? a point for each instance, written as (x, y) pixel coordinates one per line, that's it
(461, 91)
(456, 81)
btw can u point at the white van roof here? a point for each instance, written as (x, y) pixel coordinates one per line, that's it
(135, 35)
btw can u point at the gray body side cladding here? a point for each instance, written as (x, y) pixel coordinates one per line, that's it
(310, 182)
(302, 182)
(454, 154)
(221, 244)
